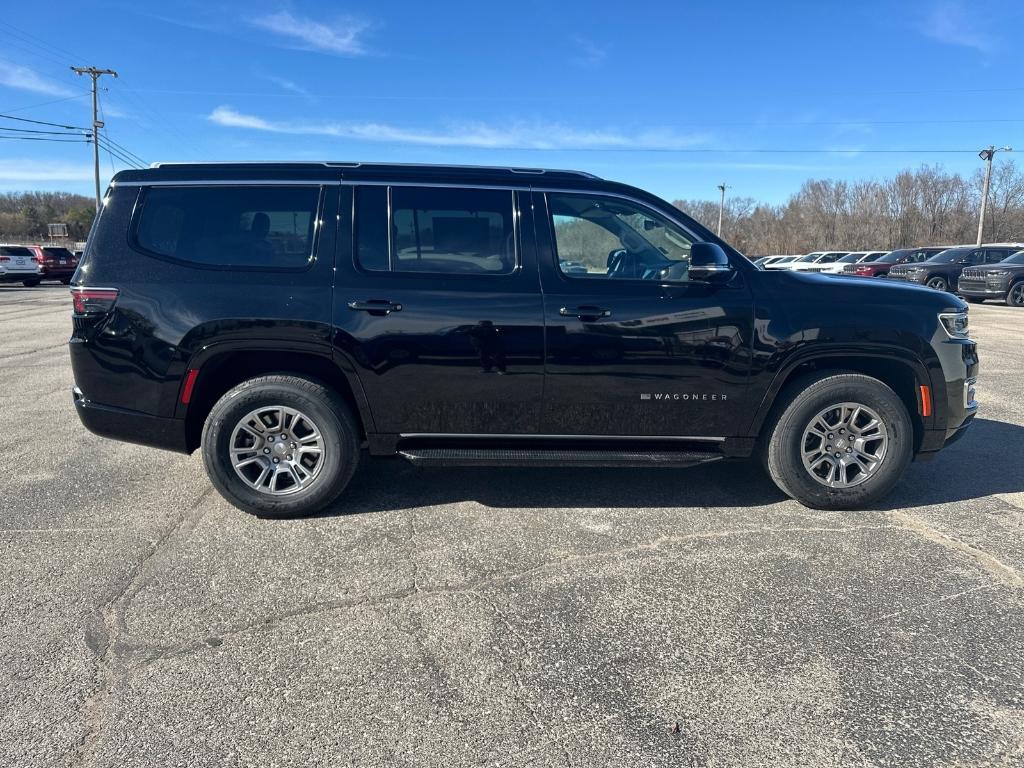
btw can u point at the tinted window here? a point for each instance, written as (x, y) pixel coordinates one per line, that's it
(950, 255)
(1017, 258)
(433, 229)
(993, 255)
(60, 253)
(13, 250)
(230, 226)
(605, 237)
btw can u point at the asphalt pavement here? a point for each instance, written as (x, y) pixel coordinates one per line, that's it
(464, 617)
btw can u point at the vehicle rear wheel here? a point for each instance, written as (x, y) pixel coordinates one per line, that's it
(839, 441)
(280, 446)
(1015, 296)
(938, 283)
(974, 299)
(30, 283)
(66, 280)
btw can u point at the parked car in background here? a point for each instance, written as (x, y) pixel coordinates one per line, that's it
(1004, 280)
(812, 261)
(837, 266)
(880, 267)
(780, 262)
(22, 265)
(942, 271)
(58, 263)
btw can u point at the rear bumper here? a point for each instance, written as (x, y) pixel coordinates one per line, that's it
(17, 277)
(131, 426)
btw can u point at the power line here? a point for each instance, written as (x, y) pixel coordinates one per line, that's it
(43, 122)
(122, 148)
(43, 138)
(114, 152)
(47, 103)
(30, 130)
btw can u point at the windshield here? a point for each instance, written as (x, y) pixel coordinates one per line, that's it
(810, 257)
(61, 253)
(949, 255)
(1016, 258)
(828, 258)
(872, 257)
(850, 258)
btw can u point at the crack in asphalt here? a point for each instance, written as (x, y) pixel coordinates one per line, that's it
(989, 563)
(109, 624)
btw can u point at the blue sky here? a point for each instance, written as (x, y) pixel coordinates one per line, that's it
(673, 96)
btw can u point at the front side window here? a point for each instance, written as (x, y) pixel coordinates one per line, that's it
(435, 230)
(262, 227)
(599, 237)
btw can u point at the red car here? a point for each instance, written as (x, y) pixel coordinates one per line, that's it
(58, 263)
(880, 267)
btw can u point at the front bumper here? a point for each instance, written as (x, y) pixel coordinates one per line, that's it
(131, 426)
(976, 289)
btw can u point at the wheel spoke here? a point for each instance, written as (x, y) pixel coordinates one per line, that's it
(853, 430)
(266, 435)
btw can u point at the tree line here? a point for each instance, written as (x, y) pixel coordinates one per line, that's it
(926, 206)
(24, 215)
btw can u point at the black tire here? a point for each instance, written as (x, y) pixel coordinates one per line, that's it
(323, 405)
(30, 283)
(802, 401)
(65, 281)
(938, 282)
(974, 299)
(1015, 296)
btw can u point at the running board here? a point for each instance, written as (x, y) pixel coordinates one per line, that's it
(541, 457)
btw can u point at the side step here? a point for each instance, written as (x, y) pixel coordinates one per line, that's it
(543, 457)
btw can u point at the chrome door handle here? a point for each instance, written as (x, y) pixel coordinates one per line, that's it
(585, 313)
(378, 307)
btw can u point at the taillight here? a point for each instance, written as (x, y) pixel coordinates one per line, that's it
(38, 258)
(5, 258)
(93, 301)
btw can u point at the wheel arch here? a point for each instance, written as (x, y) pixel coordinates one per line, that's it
(223, 366)
(903, 374)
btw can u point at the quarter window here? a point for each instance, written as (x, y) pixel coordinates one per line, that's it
(230, 226)
(599, 237)
(435, 230)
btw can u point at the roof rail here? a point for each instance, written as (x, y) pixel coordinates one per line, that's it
(354, 164)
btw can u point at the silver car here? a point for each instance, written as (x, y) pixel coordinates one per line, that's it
(21, 265)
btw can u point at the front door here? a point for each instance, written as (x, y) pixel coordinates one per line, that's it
(438, 307)
(634, 347)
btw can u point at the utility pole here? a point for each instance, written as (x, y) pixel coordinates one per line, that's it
(95, 74)
(987, 155)
(721, 207)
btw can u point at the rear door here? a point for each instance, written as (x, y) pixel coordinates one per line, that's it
(634, 348)
(437, 303)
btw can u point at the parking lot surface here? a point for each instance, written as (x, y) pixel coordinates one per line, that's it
(501, 617)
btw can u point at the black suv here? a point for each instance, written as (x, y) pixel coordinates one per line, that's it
(1004, 280)
(286, 317)
(942, 271)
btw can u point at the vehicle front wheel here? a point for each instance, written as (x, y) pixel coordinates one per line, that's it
(1015, 296)
(938, 283)
(65, 281)
(280, 446)
(30, 283)
(974, 299)
(839, 441)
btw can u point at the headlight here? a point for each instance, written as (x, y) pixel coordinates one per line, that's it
(955, 324)
(998, 273)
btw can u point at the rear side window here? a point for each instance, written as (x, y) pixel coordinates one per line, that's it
(435, 230)
(255, 227)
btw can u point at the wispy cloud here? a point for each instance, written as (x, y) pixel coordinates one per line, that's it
(25, 79)
(479, 135)
(341, 38)
(949, 22)
(588, 54)
(290, 86)
(27, 171)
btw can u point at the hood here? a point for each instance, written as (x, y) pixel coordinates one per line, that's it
(841, 289)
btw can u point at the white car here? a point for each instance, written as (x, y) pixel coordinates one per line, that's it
(779, 262)
(815, 259)
(837, 266)
(21, 265)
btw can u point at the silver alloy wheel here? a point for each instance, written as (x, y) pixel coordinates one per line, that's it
(277, 450)
(844, 445)
(937, 283)
(1017, 294)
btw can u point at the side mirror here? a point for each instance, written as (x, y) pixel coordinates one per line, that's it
(709, 264)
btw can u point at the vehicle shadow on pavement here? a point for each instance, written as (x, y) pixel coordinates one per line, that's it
(986, 461)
